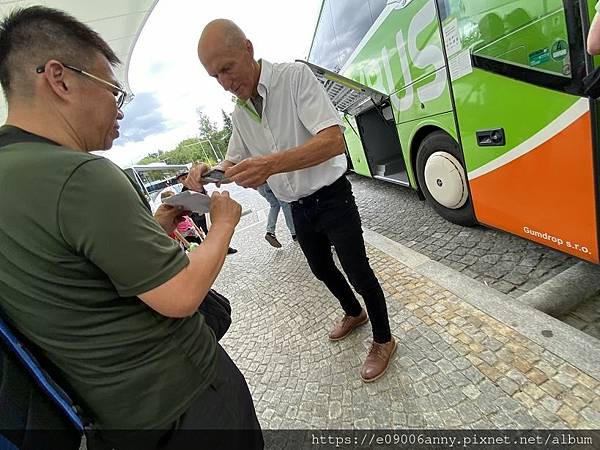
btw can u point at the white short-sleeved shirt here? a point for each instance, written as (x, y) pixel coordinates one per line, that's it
(598, 7)
(295, 108)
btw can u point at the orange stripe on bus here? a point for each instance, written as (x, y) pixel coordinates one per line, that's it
(546, 195)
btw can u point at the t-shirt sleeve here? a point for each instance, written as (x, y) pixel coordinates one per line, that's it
(598, 7)
(102, 217)
(236, 149)
(314, 107)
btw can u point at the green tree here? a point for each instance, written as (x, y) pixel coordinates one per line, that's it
(148, 160)
(227, 125)
(198, 148)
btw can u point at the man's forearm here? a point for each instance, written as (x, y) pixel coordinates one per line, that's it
(320, 148)
(593, 40)
(181, 295)
(207, 260)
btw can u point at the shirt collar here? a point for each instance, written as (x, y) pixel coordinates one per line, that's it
(264, 81)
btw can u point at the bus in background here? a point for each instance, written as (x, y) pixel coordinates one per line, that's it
(476, 104)
(151, 179)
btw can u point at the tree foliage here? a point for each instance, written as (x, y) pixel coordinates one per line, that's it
(209, 146)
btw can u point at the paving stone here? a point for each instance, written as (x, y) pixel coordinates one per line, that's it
(568, 415)
(508, 385)
(473, 375)
(486, 405)
(592, 416)
(524, 420)
(550, 403)
(576, 403)
(565, 380)
(471, 391)
(501, 420)
(454, 397)
(537, 376)
(450, 418)
(301, 380)
(415, 421)
(335, 409)
(533, 391)
(553, 388)
(518, 377)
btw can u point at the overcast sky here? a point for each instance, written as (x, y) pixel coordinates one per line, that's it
(170, 84)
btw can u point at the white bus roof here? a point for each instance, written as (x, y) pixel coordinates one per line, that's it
(159, 166)
(119, 22)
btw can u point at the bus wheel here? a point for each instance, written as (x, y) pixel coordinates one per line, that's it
(442, 178)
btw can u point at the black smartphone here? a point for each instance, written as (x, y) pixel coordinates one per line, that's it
(214, 176)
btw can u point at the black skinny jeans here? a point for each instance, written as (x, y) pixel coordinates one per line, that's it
(330, 217)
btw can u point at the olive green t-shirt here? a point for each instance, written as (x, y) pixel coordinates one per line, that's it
(78, 243)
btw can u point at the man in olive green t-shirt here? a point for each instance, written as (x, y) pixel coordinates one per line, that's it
(87, 274)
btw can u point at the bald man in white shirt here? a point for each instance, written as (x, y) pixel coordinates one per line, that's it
(286, 131)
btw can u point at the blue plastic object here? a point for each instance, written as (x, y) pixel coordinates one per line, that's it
(40, 377)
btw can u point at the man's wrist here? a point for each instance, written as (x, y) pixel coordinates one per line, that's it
(273, 163)
(224, 226)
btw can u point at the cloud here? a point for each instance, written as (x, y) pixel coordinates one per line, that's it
(157, 67)
(143, 118)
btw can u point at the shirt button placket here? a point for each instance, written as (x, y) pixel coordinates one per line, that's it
(270, 133)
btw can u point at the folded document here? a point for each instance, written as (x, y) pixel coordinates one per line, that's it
(190, 201)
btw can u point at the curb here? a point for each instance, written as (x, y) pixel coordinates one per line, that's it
(570, 344)
(565, 291)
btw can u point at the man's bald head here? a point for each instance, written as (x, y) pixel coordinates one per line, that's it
(224, 32)
(228, 56)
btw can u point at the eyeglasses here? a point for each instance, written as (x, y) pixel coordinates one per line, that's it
(122, 97)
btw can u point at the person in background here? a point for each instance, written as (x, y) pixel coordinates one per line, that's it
(274, 206)
(88, 276)
(199, 219)
(186, 228)
(286, 131)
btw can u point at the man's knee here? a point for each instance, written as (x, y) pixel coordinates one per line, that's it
(322, 270)
(363, 280)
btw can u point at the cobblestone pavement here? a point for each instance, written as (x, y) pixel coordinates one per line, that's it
(455, 366)
(504, 262)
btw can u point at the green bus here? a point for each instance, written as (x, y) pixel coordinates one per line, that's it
(476, 104)
(151, 179)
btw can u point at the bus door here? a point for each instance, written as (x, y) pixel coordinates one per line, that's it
(526, 130)
(371, 135)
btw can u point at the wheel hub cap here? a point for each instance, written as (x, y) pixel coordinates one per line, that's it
(445, 180)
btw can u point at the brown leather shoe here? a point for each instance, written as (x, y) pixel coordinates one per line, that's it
(272, 239)
(377, 360)
(346, 325)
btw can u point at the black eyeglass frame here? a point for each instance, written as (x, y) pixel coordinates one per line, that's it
(122, 97)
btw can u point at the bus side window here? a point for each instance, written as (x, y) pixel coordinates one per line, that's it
(342, 25)
(444, 8)
(324, 51)
(534, 38)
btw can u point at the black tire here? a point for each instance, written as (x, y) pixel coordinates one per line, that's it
(438, 141)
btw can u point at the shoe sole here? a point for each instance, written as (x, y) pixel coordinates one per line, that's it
(370, 380)
(350, 332)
